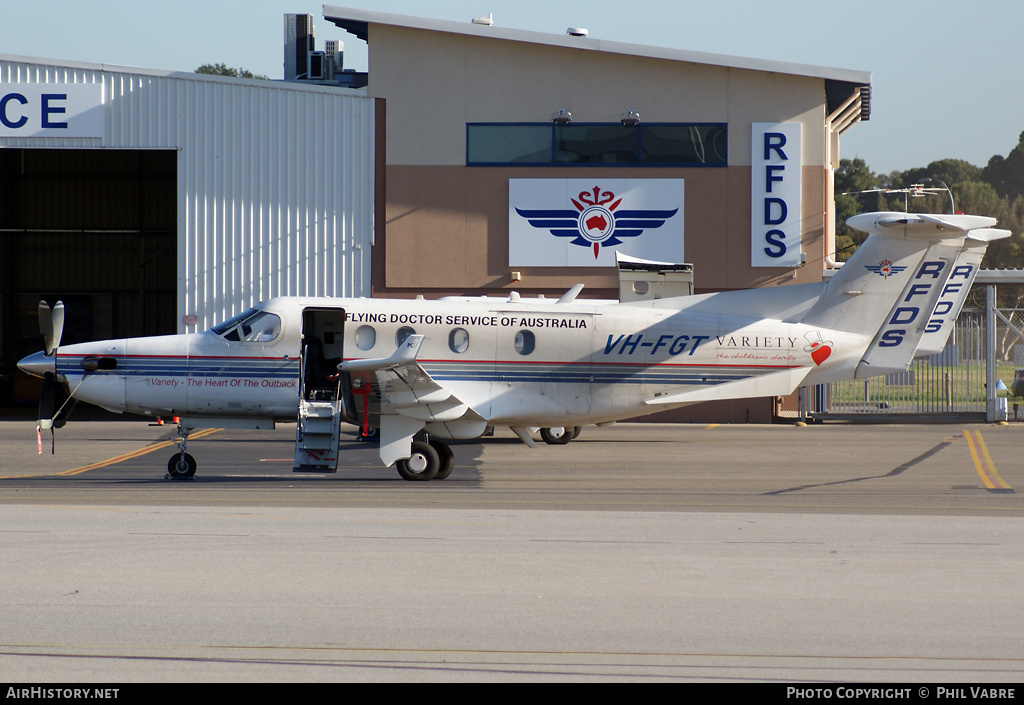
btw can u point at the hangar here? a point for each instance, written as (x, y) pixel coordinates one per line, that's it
(469, 159)
(158, 202)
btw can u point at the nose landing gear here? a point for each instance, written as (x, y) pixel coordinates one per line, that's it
(181, 465)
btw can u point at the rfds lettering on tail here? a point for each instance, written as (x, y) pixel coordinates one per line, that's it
(425, 372)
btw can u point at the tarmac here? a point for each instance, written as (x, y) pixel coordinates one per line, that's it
(638, 552)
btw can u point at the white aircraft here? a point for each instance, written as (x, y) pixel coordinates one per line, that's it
(424, 371)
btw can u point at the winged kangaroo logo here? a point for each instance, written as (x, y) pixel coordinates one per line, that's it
(884, 269)
(597, 220)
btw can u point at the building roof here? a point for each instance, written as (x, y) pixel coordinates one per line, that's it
(356, 22)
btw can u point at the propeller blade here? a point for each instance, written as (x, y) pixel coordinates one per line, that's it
(58, 323)
(46, 326)
(51, 325)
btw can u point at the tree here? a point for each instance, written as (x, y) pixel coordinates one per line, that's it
(851, 179)
(1007, 174)
(224, 70)
(949, 171)
(996, 191)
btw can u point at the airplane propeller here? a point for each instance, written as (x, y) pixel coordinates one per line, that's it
(53, 396)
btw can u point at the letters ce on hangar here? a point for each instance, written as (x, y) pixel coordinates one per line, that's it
(197, 196)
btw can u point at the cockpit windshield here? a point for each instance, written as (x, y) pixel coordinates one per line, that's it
(252, 326)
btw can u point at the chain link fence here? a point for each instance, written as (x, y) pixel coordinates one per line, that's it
(951, 382)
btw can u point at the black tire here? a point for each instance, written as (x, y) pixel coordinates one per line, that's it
(181, 465)
(556, 435)
(576, 431)
(422, 465)
(446, 456)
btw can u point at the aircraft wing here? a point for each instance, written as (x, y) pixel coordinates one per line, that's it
(773, 384)
(410, 398)
(407, 389)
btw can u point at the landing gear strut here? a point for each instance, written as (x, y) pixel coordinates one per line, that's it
(181, 465)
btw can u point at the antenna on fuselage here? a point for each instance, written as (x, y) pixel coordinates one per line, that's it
(570, 296)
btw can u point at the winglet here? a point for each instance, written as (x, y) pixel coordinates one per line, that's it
(405, 354)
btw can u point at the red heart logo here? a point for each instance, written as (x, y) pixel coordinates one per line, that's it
(820, 352)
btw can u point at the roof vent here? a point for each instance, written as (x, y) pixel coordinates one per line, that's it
(577, 32)
(488, 21)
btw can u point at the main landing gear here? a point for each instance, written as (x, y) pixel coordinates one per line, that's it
(431, 459)
(559, 435)
(181, 465)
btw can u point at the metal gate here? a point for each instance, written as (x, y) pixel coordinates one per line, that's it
(952, 382)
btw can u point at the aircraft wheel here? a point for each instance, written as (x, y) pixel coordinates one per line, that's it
(556, 435)
(576, 431)
(181, 465)
(446, 456)
(423, 464)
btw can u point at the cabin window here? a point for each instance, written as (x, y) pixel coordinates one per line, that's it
(403, 333)
(366, 337)
(458, 340)
(525, 342)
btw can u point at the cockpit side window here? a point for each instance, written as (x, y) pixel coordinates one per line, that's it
(261, 328)
(252, 326)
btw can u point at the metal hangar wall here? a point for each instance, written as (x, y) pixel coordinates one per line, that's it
(158, 202)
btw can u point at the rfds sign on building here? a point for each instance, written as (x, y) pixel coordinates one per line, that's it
(584, 222)
(775, 195)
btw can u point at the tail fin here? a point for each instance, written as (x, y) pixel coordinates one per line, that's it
(895, 280)
(954, 294)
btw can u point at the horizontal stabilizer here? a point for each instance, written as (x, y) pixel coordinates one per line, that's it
(988, 234)
(773, 384)
(919, 224)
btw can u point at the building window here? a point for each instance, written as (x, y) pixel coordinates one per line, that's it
(597, 144)
(509, 144)
(594, 144)
(678, 144)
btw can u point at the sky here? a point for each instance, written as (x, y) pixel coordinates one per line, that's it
(947, 75)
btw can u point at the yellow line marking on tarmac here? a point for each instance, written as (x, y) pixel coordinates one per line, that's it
(117, 458)
(711, 426)
(983, 463)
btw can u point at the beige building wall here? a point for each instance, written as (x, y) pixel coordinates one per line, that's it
(445, 225)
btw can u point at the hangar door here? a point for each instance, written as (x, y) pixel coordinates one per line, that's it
(94, 228)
